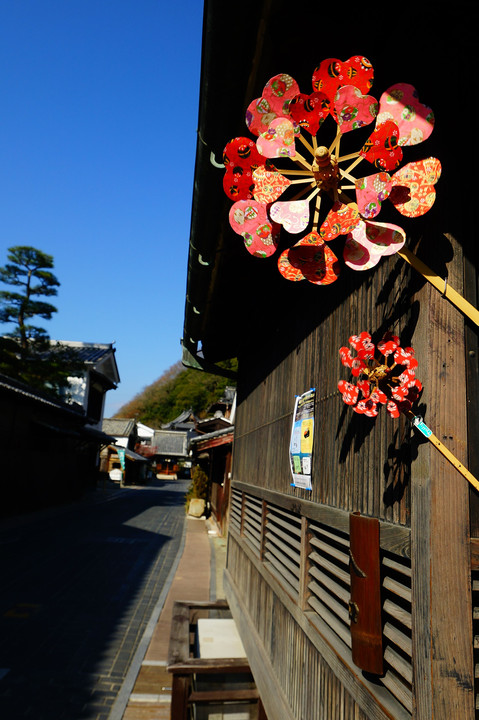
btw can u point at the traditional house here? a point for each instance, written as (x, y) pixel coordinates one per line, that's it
(353, 585)
(212, 450)
(171, 452)
(48, 452)
(99, 373)
(119, 459)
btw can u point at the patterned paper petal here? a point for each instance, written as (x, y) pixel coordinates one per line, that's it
(340, 220)
(324, 267)
(414, 120)
(278, 140)
(268, 185)
(368, 242)
(370, 193)
(309, 259)
(352, 109)
(294, 270)
(241, 158)
(382, 149)
(309, 111)
(332, 73)
(413, 191)
(293, 215)
(249, 219)
(274, 102)
(357, 256)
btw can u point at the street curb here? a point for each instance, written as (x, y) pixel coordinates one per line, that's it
(126, 689)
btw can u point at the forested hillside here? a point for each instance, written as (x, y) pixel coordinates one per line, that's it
(176, 390)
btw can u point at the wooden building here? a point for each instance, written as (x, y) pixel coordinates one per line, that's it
(49, 454)
(293, 556)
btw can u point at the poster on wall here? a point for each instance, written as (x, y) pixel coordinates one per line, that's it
(301, 445)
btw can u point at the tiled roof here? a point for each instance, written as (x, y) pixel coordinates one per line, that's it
(118, 427)
(88, 352)
(170, 442)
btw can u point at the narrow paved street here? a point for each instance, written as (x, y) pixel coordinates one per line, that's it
(78, 586)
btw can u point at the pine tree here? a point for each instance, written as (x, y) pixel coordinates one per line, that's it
(29, 270)
(26, 353)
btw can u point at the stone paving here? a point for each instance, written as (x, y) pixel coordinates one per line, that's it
(198, 577)
(80, 586)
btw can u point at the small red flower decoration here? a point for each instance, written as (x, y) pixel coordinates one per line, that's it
(386, 380)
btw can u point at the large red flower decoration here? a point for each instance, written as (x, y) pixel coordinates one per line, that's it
(385, 375)
(283, 117)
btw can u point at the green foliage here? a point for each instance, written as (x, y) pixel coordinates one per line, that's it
(26, 352)
(199, 485)
(175, 391)
(28, 270)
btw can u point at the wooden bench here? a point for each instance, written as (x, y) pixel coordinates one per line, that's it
(184, 666)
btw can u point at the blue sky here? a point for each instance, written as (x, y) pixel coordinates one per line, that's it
(99, 104)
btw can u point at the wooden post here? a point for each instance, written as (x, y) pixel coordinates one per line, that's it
(179, 697)
(441, 606)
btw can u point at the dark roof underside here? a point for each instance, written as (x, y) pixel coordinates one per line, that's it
(230, 294)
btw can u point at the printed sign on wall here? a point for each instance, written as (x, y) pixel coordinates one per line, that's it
(301, 445)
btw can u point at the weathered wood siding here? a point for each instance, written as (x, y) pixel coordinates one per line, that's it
(346, 446)
(295, 604)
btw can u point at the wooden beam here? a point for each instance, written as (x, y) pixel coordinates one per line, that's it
(441, 561)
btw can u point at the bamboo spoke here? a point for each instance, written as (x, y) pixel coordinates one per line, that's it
(353, 165)
(295, 172)
(347, 176)
(306, 144)
(351, 156)
(301, 160)
(316, 212)
(336, 142)
(301, 180)
(419, 424)
(440, 284)
(299, 195)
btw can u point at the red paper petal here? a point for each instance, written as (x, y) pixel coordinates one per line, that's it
(309, 111)
(382, 148)
(332, 73)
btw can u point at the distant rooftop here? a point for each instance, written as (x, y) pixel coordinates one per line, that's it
(118, 427)
(100, 355)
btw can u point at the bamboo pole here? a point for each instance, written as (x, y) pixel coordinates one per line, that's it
(440, 284)
(420, 425)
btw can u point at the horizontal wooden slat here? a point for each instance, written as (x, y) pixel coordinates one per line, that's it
(318, 530)
(393, 538)
(271, 530)
(253, 524)
(292, 580)
(331, 620)
(271, 518)
(331, 567)
(399, 664)
(400, 691)
(398, 613)
(327, 599)
(331, 550)
(334, 587)
(292, 565)
(398, 638)
(398, 589)
(289, 588)
(397, 566)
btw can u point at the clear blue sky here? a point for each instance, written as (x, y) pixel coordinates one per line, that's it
(99, 109)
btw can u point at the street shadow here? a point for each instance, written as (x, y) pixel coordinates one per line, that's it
(79, 589)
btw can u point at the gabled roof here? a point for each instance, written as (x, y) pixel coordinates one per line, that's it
(185, 420)
(118, 427)
(101, 356)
